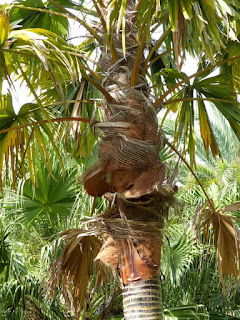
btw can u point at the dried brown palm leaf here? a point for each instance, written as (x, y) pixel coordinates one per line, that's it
(180, 38)
(73, 268)
(97, 185)
(231, 208)
(225, 236)
(228, 246)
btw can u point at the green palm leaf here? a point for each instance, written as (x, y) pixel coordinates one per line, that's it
(25, 13)
(178, 253)
(18, 144)
(50, 203)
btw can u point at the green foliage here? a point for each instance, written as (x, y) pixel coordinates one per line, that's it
(24, 300)
(187, 312)
(178, 252)
(66, 83)
(40, 53)
(4, 251)
(200, 285)
(25, 13)
(48, 204)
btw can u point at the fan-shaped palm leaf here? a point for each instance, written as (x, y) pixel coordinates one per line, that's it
(49, 204)
(178, 252)
(73, 267)
(18, 139)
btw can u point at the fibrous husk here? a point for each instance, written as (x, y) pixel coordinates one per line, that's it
(97, 185)
(111, 129)
(136, 219)
(95, 179)
(132, 153)
(146, 182)
(135, 260)
(109, 254)
(129, 148)
(130, 143)
(134, 267)
(147, 209)
(129, 160)
(140, 222)
(122, 179)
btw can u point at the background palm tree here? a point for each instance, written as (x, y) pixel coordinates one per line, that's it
(131, 87)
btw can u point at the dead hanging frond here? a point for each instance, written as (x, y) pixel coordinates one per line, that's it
(180, 38)
(220, 229)
(73, 268)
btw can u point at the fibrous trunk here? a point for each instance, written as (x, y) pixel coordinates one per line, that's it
(130, 174)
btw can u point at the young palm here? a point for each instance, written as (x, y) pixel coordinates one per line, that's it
(129, 171)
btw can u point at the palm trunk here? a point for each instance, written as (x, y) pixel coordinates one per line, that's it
(143, 300)
(131, 175)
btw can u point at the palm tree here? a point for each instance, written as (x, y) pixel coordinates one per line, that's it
(138, 74)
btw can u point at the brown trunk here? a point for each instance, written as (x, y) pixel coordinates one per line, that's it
(130, 174)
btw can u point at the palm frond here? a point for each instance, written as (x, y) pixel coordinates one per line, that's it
(206, 130)
(226, 238)
(48, 204)
(197, 74)
(4, 27)
(183, 103)
(30, 15)
(73, 268)
(178, 252)
(18, 145)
